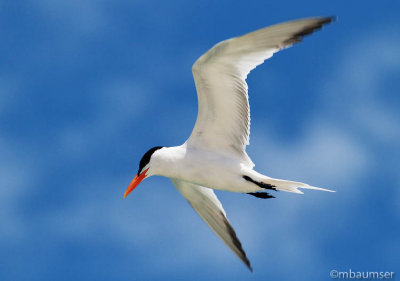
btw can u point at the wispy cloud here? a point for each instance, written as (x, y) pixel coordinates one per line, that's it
(16, 177)
(84, 17)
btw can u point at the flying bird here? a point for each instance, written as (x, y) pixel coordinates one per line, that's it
(214, 156)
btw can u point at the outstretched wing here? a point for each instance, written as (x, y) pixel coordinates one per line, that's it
(223, 121)
(207, 205)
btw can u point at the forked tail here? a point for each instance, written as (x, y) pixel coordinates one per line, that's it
(293, 186)
(278, 184)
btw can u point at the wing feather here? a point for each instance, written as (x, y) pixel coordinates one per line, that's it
(206, 204)
(223, 121)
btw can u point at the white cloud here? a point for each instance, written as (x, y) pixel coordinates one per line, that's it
(357, 91)
(83, 16)
(120, 103)
(16, 177)
(325, 155)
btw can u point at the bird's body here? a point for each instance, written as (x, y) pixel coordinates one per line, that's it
(214, 156)
(202, 167)
(213, 169)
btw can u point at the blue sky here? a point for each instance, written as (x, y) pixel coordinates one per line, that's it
(86, 87)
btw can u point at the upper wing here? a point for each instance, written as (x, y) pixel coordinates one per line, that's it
(223, 120)
(207, 205)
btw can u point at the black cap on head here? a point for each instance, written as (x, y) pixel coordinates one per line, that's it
(146, 158)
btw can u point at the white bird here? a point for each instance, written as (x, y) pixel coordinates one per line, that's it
(214, 156)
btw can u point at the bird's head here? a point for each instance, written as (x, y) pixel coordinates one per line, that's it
(145, 166)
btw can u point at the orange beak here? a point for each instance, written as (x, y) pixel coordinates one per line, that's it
(135, 182)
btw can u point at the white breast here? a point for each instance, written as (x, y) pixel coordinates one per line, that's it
(202, 167)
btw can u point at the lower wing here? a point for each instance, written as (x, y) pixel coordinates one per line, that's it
(207, 205)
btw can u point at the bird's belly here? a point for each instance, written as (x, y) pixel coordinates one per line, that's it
(222, 174)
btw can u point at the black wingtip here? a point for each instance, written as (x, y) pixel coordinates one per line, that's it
(247, 262)
(314, 27)
(328, 19)
(241, 253)
(318, 24)
(332, 19)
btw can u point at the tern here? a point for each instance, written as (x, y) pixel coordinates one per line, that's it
(214, 156)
